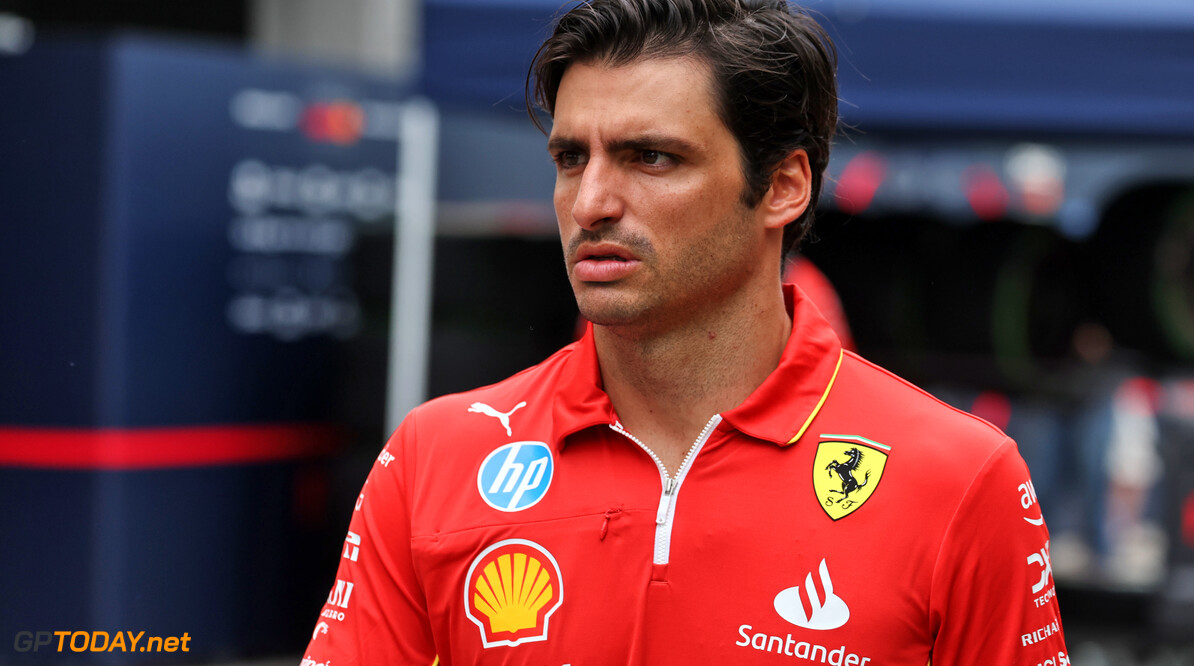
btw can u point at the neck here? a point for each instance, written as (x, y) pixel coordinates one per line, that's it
(665, 386)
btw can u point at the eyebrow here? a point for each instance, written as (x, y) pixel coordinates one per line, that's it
(559, 143)
(647, 141)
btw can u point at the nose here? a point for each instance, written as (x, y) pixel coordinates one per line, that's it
(597, 198)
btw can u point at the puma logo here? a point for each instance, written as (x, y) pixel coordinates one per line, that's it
(504, 417)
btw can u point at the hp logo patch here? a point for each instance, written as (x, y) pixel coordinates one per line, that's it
(516, 476)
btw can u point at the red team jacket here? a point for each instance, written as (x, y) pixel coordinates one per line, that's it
(838, 516)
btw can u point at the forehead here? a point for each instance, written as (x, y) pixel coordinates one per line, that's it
(652, 93)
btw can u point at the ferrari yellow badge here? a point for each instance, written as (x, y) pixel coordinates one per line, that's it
(846, 471)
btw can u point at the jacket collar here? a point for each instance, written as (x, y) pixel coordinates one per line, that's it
(580, 400)
(779, 410)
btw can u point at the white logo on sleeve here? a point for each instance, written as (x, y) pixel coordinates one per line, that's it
(352, 546)
(503, 417)
(828, 612)
(385, 457)
(1041, 559)
(1027, 500)
(340, 594)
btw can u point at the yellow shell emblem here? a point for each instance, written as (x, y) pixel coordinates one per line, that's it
(846, 471)
(511, 592)
(513, 588)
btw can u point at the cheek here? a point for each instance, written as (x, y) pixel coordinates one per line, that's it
(562, 198)
(707, 205)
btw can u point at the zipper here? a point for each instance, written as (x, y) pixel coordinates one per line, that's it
(670, 486)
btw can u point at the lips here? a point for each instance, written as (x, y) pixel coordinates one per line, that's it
(606, 257)
(603, 252)
(604, 262)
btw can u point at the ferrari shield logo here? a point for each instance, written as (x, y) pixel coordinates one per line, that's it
(846, 471)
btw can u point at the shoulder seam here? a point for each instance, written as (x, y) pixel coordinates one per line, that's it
(913, 387)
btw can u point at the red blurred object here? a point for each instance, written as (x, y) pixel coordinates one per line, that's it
(859, 181)
(993, 407)
(164, 448)
(1143, 392)
(804, 274)
(333, 122)
(1188, 521)
(986, 193)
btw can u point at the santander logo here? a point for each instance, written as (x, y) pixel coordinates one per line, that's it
(811, 610)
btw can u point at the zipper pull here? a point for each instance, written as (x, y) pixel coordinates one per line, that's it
(665, 502)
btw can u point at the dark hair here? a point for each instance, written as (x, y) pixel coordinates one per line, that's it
(774, 72)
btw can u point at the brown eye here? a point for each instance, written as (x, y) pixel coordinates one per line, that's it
(656, 158)
(567, 159)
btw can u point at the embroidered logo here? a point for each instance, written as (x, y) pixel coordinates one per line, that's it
(1041, 559)
(515, 476)
(825, 611)
(846, 471)
(511, 591)
(502, 417)
(1027, 500)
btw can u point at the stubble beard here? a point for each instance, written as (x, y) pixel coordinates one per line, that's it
(665, 297)
(611, 304)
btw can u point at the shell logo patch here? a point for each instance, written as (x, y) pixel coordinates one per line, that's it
(846, 471)
(511, 591)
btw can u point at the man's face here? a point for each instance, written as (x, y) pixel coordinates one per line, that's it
(648, 195)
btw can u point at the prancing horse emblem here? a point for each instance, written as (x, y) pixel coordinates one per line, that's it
(846, 471)
(504, 417)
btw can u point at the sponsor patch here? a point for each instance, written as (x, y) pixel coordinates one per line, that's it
(385, 457)
(803, 650)
(1041, 559)
(1041, 634)
(341, 594)
(511, 591)
(516, 476)
(502, 417)
(846, 471)
(1028, 501)
(352, 546)
(813, 609)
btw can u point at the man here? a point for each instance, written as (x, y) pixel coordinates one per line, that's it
(706, 477)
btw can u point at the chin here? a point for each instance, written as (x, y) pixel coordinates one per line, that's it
(605, 317)
(606, 310)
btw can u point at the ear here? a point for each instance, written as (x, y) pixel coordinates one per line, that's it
(790, 191)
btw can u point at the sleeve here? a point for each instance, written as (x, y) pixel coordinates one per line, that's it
(993, 599)
(376, 610)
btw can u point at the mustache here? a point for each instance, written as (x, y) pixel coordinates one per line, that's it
(640, 246)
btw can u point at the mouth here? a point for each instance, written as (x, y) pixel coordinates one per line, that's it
(603, 257)
(604, 263)
(604, 252)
